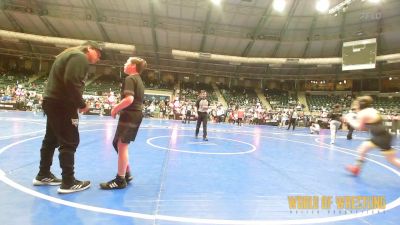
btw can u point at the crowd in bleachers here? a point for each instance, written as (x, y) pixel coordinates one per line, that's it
(243, 105)
(280, 98)
(181, 109)
(389, 104)
(190, 91)
(157, 83)
(15, 89)
(318, 103)
(238, 95)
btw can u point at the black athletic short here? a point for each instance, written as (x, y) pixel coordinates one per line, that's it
(383, 141)
(128, 125)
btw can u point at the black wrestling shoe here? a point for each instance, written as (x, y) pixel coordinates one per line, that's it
(116, 183)
(76, 186)
(50, 180)
(128, 177)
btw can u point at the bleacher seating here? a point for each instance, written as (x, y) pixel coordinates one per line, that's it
(104, 84)
(326, 102)
(234, 96)
(387, 104)
(239, 95)
(280, 98)
(190, 91)
(40, 84)
(156, 84)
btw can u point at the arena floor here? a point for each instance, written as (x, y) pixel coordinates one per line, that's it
(242, 175)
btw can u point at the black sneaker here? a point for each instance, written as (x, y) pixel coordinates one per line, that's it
(128, 177)
(46, 180)
(205, 139)
(116, 183)
(75, 187)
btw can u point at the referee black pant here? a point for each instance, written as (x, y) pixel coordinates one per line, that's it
(202, 118)
(350, 132)
(292, 122)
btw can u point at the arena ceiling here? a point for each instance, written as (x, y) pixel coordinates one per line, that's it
(248, 28)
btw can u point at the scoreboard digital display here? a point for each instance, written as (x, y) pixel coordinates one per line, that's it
(357, 55)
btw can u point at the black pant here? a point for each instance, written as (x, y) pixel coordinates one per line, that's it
(239, 121)
(292, 121)
(61, 131)
(202, 117)
(187, 116)
(350, 133)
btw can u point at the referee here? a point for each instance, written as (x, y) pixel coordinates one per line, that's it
(202, 105)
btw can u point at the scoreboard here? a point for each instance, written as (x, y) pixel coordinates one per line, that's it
(357, 55)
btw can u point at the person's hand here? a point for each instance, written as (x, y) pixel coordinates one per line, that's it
(83, 110)
(114, 112)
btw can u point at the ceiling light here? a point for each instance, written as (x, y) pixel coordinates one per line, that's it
(279, 5)
(216, 2)
(374, 1)
(322, 5)
(341, 6)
